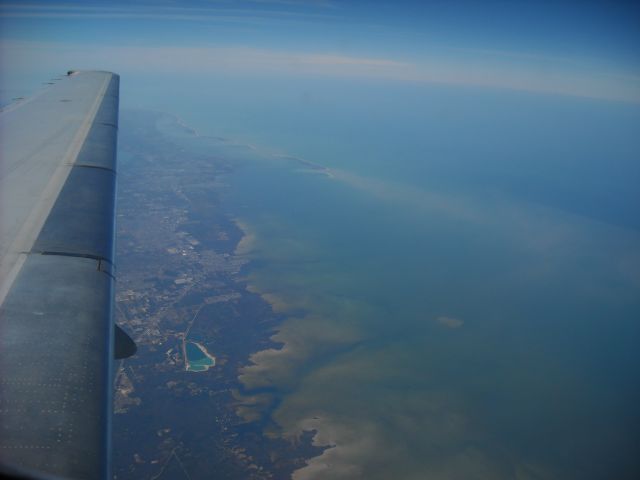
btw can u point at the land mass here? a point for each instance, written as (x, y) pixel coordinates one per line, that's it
(180, 283)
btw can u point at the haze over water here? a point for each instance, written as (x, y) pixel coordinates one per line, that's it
(445, 212)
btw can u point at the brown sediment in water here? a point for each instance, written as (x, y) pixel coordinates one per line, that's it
(278, 305)
(247, 241)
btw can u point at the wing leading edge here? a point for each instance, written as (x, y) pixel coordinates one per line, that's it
(57, 193)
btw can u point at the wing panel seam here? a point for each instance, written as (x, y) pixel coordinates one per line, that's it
(31, 228)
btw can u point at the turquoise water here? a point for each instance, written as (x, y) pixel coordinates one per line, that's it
(198, 361)
(460, 293)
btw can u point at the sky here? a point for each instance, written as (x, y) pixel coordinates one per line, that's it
(588, 49)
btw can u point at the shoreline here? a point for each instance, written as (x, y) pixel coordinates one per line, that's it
(181, 260)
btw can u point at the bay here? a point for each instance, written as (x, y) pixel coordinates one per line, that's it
(457, 304)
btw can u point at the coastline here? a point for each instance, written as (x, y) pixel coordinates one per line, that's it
(416, 266)
(194, 269)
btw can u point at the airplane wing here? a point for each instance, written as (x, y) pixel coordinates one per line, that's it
(57, 192)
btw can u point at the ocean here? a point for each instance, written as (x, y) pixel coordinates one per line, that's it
(458, 271)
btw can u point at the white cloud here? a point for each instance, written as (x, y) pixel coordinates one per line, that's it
(562, 80)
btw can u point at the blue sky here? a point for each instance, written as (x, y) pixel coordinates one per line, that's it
(587, 49)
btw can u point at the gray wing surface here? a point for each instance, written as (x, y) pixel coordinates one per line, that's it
(57, 192)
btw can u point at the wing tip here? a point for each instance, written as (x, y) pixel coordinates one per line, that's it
(74, 72)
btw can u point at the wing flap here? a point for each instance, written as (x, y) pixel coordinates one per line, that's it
(55, 394)
(78, 222)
